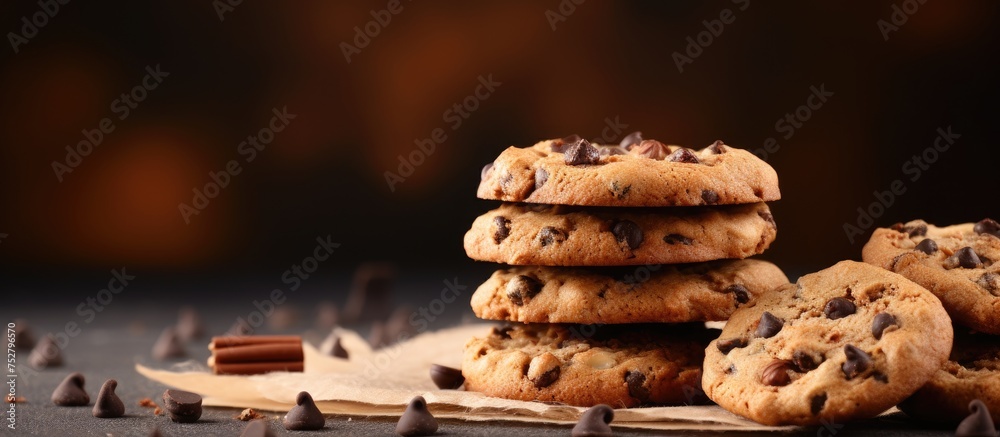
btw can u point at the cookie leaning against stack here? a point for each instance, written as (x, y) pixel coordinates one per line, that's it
(587, 247)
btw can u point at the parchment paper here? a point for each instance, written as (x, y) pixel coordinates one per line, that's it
(381, 383)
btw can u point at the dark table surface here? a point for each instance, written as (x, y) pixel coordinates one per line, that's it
(123, 334)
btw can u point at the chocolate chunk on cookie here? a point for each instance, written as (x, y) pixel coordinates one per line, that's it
(844, 343)
(587, 365)
(956, 263)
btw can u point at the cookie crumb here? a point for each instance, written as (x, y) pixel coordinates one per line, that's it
(16, 399)
(250, 414)
(147, 403)
(158, 411)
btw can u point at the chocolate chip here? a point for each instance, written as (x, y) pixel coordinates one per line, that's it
(304, 416)
(776, 373)
(677, 239)
(416, 420)
(108, 404)
(189, 324)
(881, 377)
(627, 232)
(257, 428)
(769, 326)
(729, 344)
(502, 332)
(560, 145)
(881, 322)
(541, 177)
(768, 217)
(168, 345)
(740, 292)
(987, 226)
(24, 339)
(546, 379)
(838, 308)
(978, 423)
(631, 140)
(709, 197)
(70, 392)
(46, 354)
(857, 361)
(549, 235)
(619, 191)
(683, 155)
(523, 287)
(332, 346)
(503, 228)
(803, 361)
(817, 403)
(636, 381)
(990, 282)
(446, 378)
(582, 153)
(612, 151)
(485, 171)
(718, 147)
(927, 246)
(595, 422)
(916, 231)
(965, 258)
(183, 406)
(651, 149)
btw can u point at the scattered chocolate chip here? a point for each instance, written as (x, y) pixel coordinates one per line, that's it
(740, 292)
(189, 324)
(70, 392)
(881, 322)
(709, 197)
(979, 423)
(183, 406)
(502, 231)
(776, 373)
(677, 239)
(582, 153)
(332, 346)
(446, 378)
(857, 361)
(108, 404)
(549, 235)
(257, 428)
(168, 346)
(838, 308)
(990, 282)
(817, 403)
(541, 177)
(631, 140)
(718, 147)
(595, 422)
(485, 171)
(46, 354)
(987, 226)
(769, 326)
(730, 343)
(304, 416)
(683, 155)
(627, 232)
(523, 287)
(636, 381)
(651, 149)
(24, 339)
(927, 246)
(416, 420)
(803, 361)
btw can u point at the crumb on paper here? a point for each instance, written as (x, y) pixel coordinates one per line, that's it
(250, 414)
(147, 403)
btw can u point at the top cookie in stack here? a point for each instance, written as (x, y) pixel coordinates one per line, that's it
(587, 238)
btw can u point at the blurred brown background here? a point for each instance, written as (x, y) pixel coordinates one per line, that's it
(325, 172)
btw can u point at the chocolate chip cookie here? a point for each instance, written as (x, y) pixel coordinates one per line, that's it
(957, 263)
(572, 171)
(972, 372)
(644, 294)
(525, 234)
(585, 365)
(844, 343)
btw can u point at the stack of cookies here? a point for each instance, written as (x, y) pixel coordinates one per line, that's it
(617, 255)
